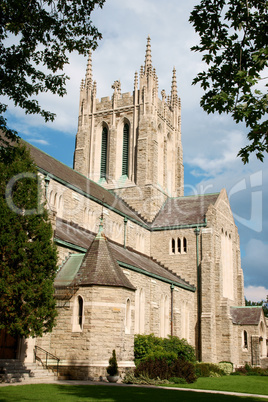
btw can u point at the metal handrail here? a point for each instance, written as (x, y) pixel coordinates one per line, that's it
(47, 354)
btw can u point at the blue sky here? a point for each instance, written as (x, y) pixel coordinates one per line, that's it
(210, 142)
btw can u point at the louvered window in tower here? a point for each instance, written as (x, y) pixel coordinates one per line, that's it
(125, 150)
(103, 168)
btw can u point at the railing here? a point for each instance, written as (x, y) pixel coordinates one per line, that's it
(37, 348)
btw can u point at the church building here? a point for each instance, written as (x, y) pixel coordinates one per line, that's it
(136, 256)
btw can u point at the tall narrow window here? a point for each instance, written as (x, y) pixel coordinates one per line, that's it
(173, 246)
(184, 245)
(125, 150)
(179, 245)
(128, 317)
(80, 311)
(245, 340)
(103, 168)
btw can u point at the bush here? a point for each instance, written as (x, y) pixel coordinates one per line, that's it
(208, 370)
(181, 347)
(112, 369)
(145, 345)
(142, 379)
(166, 366)
(249, 370)
(227, 367)
(177, 380)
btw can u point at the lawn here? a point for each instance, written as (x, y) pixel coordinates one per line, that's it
(244, 384)
(102, 393)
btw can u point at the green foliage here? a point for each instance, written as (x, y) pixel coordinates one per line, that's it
(143, 380)
(145, 345)
(35, 39)
(179, 346)
(250, 371)
(112, 369)
(208, 370)
(227, 367)
(28, 258)
(233, 41)
(263, 303)
(164, 367)
(177, 380)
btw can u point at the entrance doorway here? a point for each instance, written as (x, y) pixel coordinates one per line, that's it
(8, 345)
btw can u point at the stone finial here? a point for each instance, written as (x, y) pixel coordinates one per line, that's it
(89, 71)
(117, 87)
(148, 55)
(136, 81)
(94, 92)
(163, 94)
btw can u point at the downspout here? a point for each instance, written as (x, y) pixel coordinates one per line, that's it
(172, 303)
(125, 231)
(197, 233)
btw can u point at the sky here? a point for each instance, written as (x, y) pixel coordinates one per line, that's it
(210, 142)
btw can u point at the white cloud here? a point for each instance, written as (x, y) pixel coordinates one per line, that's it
(256, 293)
(37, 141)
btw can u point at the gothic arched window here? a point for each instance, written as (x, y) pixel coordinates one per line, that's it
(125, 150)
(104, 141)
(179, 245)
(245, 340)
(78, 314)
(184, 245)
(128, 317)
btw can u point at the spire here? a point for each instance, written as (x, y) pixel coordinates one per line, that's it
(89, 70)
(148, 55)
(174, 90)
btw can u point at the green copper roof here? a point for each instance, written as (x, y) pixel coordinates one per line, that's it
(69, 269)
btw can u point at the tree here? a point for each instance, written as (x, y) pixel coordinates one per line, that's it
(233, 40)
(41, 33)
(262, 303)
(28, 257)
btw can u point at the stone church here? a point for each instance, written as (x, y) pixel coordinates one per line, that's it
(136, 256)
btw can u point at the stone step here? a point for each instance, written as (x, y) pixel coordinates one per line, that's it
(15, 371)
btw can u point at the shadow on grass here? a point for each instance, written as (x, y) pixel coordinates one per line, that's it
(90, 393)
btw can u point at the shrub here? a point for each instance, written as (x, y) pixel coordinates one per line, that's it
(165, 366)
(181, 347)
(145, 345)
(208, 370)
(249, 370)
(227, 367)
(177, 380)
(143, 379)
(112, 369)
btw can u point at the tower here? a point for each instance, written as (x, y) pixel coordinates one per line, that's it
(131, 143)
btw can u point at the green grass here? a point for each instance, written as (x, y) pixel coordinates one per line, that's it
(102, 393)
(244, 384)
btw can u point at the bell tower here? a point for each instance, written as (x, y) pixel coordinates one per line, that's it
(131, 143)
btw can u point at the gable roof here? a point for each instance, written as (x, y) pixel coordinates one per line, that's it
(76, 181)
(72, 235)
(248, 315)
(184, 211)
